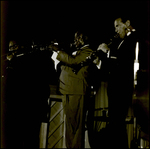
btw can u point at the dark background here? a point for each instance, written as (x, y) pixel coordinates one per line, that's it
(46, 20)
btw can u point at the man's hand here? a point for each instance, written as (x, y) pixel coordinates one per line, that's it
(54, 47)
(10, 56)
(103, 47)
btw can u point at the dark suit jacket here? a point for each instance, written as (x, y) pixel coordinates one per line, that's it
(122, 68)
(71, 83)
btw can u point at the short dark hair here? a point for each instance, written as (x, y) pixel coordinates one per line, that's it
(124, 17)
(85, 35)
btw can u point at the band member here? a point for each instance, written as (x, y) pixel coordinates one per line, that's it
(26, 93)
(120, 81)
(74, 85)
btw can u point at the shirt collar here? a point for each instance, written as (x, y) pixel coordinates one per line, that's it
(133, 30)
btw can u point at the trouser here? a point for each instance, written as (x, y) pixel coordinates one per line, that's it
(119, 100)
(75, 120)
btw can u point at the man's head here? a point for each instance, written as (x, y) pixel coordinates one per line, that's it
(80, 39)
(122, 27)
(13, 46)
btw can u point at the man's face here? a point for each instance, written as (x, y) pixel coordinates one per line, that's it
(120, 28)
(78, 41)
(13, 46)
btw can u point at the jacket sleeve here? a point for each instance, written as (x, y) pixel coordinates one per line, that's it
(70, 60)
